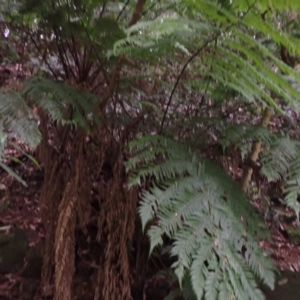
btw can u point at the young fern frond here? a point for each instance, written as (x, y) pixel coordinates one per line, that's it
(212, 226)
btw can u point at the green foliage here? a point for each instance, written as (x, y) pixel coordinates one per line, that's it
(213, 228)
(56, 98)
(16, 117)
(187, 60)
(17, 123)
(242, 137)
(60, 101)
(7, 6)
(281, 162)
(280, 159)
(224, 41)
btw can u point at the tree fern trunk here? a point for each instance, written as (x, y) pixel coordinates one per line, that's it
(256, 149)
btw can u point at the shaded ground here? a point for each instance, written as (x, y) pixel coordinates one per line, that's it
(287, 287)
(19, 209)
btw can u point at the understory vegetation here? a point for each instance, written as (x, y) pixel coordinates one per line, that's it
(155, 124)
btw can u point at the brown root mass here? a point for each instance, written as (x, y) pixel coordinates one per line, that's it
(85, 185)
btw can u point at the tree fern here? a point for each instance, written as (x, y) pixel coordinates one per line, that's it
(213, 228)
(195, 46)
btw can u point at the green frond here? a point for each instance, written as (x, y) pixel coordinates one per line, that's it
(212, 284)
(236, 285)
(229, 56)
(242, 136)
(245, 277)
(17, 118)
(279, 160)
(162, 35)
(278, 157)
(256, 22)
(263, 5)
(292, 185)
(12, 173)
(207, 217)
(17, 122)
(224, 292)
(54, 99)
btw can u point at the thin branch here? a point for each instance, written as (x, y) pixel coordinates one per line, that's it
(97, 55)
(123, 9)
(44, 59)
(63, 54)
(103, 9)
(178, 79)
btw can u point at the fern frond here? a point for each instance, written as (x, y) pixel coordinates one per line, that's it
(17, 118)
(241, 135)
(278, 157)
(54, 98)
(231, 57)
(292, 185)
(17, 122)
(212, 284)
(207, 217)
(197, 268)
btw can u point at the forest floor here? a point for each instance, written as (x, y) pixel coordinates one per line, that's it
(19, 208)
